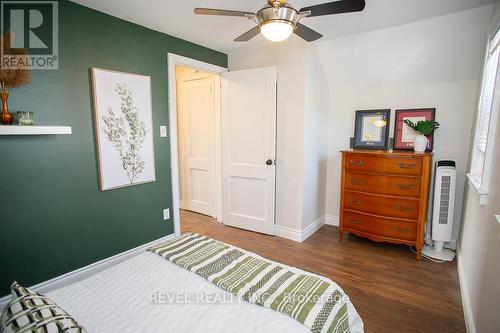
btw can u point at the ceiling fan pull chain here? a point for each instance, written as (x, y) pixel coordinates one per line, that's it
(276, 5)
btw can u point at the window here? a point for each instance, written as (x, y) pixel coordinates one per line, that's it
(487, 113)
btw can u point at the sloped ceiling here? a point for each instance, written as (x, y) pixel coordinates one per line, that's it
(175, 17)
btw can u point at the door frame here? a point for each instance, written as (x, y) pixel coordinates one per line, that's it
(172, 60)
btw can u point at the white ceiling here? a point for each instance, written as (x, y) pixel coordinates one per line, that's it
(176, 18)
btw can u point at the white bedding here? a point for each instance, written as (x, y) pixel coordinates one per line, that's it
(119, 300)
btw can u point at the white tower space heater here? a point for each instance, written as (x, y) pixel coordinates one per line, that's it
(443, 208)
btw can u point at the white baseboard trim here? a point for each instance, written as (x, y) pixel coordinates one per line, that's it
(288, 233)
(332, 220)
(312, 228)
(470, 326)
(300, 235)
(84, 272)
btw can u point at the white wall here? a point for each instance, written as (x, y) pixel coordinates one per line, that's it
(478, 251)
(431, 63)
(289, 57)
(316, 114)
(479, 247)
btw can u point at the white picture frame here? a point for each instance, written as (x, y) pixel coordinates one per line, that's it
(408, 134)
(123, 122)
(370, 130)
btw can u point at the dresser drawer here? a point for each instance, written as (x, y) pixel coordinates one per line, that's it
(392, 207)
(379, 184)
(391, 165)
(381, 227)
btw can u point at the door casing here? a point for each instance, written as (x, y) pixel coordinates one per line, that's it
(172, 60)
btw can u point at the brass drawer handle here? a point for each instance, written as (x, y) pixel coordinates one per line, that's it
(357, 202)
(357, 163)
(357, 181)
(354, 221)
(404, 209)
(407, 165)
(407, 186)
(401, 229)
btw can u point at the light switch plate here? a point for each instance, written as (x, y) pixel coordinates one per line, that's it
(166, 214)
(163, 131)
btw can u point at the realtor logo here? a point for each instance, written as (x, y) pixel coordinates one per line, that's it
(29, 35)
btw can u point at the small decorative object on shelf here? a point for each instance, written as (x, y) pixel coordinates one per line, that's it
(7, 117)
(25, 118)
(10, 77)
(423, 129)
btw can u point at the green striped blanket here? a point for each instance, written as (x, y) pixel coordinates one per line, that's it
(312, 300)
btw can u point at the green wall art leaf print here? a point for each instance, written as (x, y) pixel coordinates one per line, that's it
(128, 142)
(122, 106)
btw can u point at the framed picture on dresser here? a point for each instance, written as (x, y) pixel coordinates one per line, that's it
(404, 135)
(371, 129)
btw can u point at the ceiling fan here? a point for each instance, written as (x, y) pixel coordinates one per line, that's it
(277, 20)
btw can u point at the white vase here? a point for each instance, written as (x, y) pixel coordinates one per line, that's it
(420, 143)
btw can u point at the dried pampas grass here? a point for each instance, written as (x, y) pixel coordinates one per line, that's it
(12, 77)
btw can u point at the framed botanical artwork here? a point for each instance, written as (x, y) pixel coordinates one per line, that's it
(124, 128)
(371, 129)
(404, 135)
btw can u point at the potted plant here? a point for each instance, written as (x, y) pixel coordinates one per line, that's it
(10, 77)
(423, 129)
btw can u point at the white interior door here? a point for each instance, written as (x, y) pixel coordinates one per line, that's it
(248, 106)
(196, 123)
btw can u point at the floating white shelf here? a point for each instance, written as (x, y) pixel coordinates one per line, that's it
(34, 130)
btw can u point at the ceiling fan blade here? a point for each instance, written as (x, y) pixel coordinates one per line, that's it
(335, 7)
(306, 33)
(248, 35)
(222, 12)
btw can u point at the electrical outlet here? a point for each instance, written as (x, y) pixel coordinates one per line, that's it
(166, 214)
(163, 131)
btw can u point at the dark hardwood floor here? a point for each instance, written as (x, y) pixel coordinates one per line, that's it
(391, 290)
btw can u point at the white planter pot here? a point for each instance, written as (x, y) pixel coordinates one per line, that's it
(420, 143)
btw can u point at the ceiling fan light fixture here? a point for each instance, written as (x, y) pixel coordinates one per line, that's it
(277, 20)
(277, 30)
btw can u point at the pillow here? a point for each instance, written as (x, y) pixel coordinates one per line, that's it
(29, 311)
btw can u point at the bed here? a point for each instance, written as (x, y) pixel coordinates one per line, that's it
(148, 293)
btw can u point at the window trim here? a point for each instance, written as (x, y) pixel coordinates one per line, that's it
(480, 180)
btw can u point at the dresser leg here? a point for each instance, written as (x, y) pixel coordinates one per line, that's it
(341, 235)
(419, 253)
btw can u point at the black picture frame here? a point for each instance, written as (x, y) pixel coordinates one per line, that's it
(361, 126)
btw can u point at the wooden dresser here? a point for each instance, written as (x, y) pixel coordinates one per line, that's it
(384, 196)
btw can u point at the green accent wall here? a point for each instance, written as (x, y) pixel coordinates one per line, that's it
(53, 217)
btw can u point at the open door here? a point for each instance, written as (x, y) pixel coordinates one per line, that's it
(248, 108)
(196, 124)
